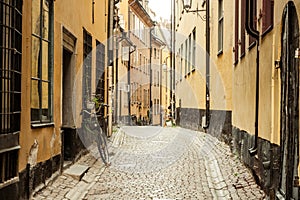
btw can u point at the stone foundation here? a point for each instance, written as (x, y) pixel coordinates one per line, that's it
(265, 166)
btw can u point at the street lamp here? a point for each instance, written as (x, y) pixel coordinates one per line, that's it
(187, 4)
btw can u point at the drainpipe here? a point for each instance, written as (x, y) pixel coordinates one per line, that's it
(255, 34)
(117, 113)
(207, 96)
(173, 66)
(171, 61)
(150, 93)
(110, 63)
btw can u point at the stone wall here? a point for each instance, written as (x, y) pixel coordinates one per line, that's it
(265, 165)
(220, 122)
(31, 178)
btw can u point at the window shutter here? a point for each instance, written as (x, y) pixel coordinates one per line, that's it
(254, 12)
(268, 12)
(243, 31)
(236, 33)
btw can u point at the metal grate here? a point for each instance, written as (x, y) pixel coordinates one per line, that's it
(10, 86)
(8, 165)
(10, 65)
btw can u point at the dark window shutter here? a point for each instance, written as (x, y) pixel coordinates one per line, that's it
(236, 33)
(254, 12)
(243, 31)
(268, 12)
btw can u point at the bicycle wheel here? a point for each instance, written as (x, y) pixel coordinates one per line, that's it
(102, 148)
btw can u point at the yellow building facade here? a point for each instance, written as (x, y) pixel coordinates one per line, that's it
(264, 119)
(191, 73)
(57, 36)
(137, 66)
(253, 81)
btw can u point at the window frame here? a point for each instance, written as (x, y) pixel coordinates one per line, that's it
(40, 121)
(10, 84)
(194, 49)
(243, 29)
(220, 27)
(267, 16)
(190, 52)
(236, 33)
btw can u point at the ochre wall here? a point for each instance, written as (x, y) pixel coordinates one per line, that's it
(244, 82)
(72, 16)
(191, 90)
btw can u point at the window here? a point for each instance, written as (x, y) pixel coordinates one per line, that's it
(186, 56)
(100, 78)
(41, 61)
(10, 87)
(220, 27)
(8, 167)
(158, 78)
(190, 53)
(140, 62)
(145, 100)
(87, 68)
(254, 12)
(243, 28)
(145, 66)
(236, 33)
(181, 61)
(194, 50)
(267, 17)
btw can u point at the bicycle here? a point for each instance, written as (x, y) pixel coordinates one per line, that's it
(95, 133)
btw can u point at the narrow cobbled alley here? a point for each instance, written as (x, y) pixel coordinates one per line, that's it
(159, 163)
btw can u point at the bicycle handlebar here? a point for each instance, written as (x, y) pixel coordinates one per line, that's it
(91, 113)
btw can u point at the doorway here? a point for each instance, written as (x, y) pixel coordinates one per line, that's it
(70, 141)
(289, 103)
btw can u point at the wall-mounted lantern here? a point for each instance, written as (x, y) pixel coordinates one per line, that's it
(187, 5)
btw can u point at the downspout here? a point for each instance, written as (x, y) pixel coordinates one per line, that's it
(117, 113)
(171, 62)
(128, 70)
(160, 88)
(254, 33)
(150, 93)
(207, 96)
(109, 63)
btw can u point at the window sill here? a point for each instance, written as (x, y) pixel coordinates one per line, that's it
(9, 182)
(42, 125)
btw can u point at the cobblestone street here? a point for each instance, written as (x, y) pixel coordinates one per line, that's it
(160, 163)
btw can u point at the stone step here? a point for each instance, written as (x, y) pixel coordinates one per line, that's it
(77, 171)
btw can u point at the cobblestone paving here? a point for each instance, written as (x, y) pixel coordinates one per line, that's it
(171, 163)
